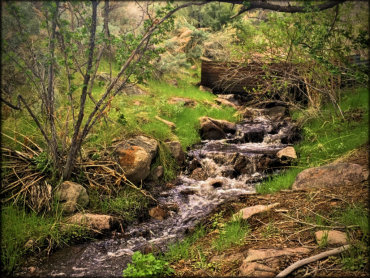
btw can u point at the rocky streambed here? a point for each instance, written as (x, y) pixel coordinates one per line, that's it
(230, 161)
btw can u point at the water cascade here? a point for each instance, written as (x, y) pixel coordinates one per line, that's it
(230, 167)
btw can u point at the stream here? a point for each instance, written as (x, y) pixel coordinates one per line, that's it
(232, 167)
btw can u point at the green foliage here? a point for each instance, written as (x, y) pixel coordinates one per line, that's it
(128, 204)
(232, 233)
(283, 180)
(28, 233)
(327, 136)
(147, 265)
(185, 248)
(168, 162)
(270, 230)
(355, 258)
(42, 163)
(355, 216)
(214, 15)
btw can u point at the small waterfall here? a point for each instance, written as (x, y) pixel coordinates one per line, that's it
(230, 168)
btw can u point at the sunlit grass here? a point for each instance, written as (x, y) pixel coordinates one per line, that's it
(26, 233)
(232, 233)
(185, 248)
(327, 137)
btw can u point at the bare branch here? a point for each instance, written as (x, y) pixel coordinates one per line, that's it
(315, 258)
(280, 8)
(76, 138)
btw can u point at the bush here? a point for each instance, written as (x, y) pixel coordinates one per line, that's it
(146, 265)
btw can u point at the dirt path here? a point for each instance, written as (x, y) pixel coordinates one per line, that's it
(293, 224)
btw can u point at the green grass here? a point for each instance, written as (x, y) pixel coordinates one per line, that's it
(355, 216)
(232, 233)
(165, 159)
(185, 248)
(326, 137)
(128, 204)
(283, 180)
(139, 112)
(19, 228)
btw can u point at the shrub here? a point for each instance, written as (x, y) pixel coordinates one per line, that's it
(146, 265)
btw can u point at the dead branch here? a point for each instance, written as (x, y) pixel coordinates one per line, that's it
(20, 143)
(311, 259)
(317, 226)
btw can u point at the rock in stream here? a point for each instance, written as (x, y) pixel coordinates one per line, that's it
(230, 167)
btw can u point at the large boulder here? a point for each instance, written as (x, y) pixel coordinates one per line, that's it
(212, 129)
(330, 175)
(176, 151)
(135, 157)
(95, 222)
(72, 196)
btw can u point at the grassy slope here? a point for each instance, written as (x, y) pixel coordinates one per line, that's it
(126, 119)
(139, 111)
(327, 137)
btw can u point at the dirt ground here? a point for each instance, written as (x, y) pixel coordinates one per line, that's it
(291, 224)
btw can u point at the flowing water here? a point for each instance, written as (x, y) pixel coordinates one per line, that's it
(231, 167)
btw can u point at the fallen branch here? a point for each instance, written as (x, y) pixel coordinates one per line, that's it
(311, 259)
(318, 226)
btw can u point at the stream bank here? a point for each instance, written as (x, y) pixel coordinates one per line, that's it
(231, 167)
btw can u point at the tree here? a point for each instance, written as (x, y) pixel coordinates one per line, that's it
(75, 46)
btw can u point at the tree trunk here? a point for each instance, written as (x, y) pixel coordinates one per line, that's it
(76, 139)
(50, 99)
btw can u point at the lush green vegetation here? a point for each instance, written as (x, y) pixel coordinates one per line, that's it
(232, 233)
(326, 136)
(128, 204)
(184, 249)
(355, 216)
(53, 75)
(146, 265)
(26, 233)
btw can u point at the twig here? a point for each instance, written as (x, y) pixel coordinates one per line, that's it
(311, 259)
(319, 226)
(28, 139)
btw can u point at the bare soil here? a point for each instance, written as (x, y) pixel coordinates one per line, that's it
(291, 224)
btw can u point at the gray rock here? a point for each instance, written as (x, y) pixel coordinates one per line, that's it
(212, 129)
(276, 112)
(330, 175)
(156, 173)
(133, 90)
(72, 196)
(176, 151)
